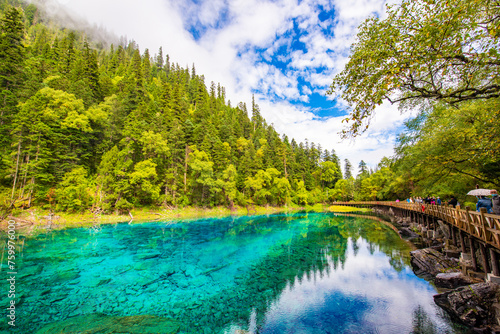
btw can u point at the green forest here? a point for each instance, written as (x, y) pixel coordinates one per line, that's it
(91, 125)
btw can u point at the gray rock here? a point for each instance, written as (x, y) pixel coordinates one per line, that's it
(454, 280)
(472, 305)
(432, 262)
(453, 253)
(408, 233)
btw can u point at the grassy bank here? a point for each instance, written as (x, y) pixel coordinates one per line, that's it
(36, 220)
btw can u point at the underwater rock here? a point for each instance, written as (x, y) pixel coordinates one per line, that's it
(472, 305)
(100, 323)
(66, 276)
(28, 271)
(147, 256)
(454, 280)
(431, 261)
(179, 280)
(408, 233)
(95, 260)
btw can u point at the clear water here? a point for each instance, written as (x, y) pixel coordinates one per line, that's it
(302, 273)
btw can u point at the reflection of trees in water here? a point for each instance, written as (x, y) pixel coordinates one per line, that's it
(323, 241)
(379, 238)
(422, 324)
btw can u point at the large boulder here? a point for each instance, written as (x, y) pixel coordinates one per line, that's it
(433, 262)
(408, 233)
(472, 305)
(454, 280)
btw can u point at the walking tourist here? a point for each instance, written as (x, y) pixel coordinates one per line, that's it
(483, 202)
(495, 202)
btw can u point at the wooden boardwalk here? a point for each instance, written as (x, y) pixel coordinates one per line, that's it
(483, 226)
(479, 228)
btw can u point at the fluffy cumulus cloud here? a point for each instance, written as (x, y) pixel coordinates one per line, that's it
(285, 52)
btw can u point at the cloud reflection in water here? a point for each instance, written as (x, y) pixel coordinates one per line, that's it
(364, 295)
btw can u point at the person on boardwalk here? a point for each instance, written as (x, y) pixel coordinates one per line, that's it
(483, 202)
(495, 202)
(453, 201)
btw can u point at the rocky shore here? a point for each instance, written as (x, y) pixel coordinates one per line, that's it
(465, 295)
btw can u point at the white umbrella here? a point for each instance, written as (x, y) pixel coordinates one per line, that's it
(479, 192)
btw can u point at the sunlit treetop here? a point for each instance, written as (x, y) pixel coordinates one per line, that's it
(424, 50)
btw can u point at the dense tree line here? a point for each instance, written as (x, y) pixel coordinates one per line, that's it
(441, 58)
(84, 126)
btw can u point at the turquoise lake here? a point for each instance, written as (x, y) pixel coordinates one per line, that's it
(300, 273)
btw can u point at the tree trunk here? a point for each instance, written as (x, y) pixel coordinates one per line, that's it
(25, 175)
(185, 168)
(284, 162)
(17, 170)
(166, 193)
(33, 177)
(173, 186)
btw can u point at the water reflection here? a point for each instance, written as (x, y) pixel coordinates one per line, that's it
(306, 273)
(364, 295)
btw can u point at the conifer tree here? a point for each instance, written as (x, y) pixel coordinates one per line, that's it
(347, 169)
(11, 68)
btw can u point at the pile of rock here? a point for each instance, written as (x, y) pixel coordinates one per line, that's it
(470, 300)
(467, 298)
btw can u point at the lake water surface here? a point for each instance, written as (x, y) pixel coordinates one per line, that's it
(300, 273)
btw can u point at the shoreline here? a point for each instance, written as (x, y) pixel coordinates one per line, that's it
(37, 220)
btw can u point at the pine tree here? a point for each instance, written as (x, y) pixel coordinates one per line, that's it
(256, 117)
(11, 68)
(347, 169)
(91, 72)
(160, 61)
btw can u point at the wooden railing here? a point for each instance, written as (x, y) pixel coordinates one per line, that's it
(481, 225)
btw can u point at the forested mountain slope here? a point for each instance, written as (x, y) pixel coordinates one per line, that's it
(86, 126)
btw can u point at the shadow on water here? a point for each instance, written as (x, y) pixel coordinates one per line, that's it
(308, 273)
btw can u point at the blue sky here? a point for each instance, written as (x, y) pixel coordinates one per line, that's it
(285, 52)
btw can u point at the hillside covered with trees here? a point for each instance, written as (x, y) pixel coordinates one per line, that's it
(89, 125)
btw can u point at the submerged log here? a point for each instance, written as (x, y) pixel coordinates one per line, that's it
(433, 262)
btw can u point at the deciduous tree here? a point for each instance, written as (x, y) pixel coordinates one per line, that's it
(423, 50)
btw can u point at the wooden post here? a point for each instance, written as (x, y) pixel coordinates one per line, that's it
(494, 262)
(453, 235)
(484, 225)
(468, 222)
(484, 256)
(473, 253)
(462, 241)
